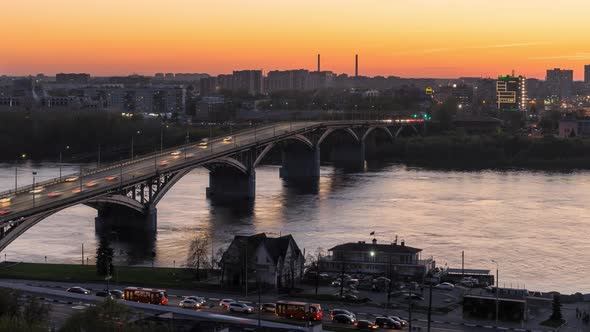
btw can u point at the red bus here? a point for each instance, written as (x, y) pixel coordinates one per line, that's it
(146, 295)
(299, 310)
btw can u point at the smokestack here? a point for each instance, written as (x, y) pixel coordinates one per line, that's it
(318, 63)
(356, 65)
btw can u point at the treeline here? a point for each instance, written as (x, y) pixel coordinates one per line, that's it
(77, 135)
(491, 151)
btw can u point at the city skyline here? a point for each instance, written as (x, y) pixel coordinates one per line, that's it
(450, 38)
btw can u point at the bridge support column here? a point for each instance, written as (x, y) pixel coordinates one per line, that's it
(228, 185)
(301, 163)
(349, 156)
(114, 217)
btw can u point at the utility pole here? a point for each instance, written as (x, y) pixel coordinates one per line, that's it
(342, 279)
(15, 178)
(34, 173)
(410, 311)
(82, 253)
(429, 305)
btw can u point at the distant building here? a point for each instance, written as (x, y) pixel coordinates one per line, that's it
(248, 80)
(377, 259)
(511, 93)
(587, 74)
(81, 78)
(320, 80)
(208, 86)
(560, 82)
(274, 261)
(574, 128)
(278, 80)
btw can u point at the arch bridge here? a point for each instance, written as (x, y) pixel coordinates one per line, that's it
(126, 194)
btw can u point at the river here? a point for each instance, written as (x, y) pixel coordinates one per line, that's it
(535, 224)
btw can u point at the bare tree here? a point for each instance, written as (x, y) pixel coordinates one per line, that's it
(197, 254)
(312, 263)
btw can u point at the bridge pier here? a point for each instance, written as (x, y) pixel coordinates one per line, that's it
(349, 156)
(226, 184)
(113, 217)
(300, 163)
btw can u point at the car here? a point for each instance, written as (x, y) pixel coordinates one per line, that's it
(203, 145)
(5, 211)
(104, 294)
(175, 153)
(268, 307)
(116, 293)
(188, 303)
(163, 163)
(37, 190)
(240, 307)
(72, 179)
(5, 200)
(335, 312)
(91, 184)
(76, 191)
(413, 297)
(111, 178)
(228, 139)
(78, 290)
(198, 299)
(445, 286)
(224, 303)
(335, 283)
(365, 325)
(387, 323)
(343, 319)
(54, 194)
(402, 321)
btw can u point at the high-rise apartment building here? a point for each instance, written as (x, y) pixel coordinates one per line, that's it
(560, 82)
(511, 93)
(587, 74)
(278, 80)
(248, 80)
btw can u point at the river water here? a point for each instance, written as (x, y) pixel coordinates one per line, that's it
(535, 224)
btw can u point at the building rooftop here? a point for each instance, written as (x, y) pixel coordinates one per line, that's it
(385, 248)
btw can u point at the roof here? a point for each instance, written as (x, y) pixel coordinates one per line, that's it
(276, 247)
(386, 248)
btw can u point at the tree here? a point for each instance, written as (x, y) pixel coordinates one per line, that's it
(312, 264)
(444, 113)
(556, 309)
(104, 257)
(197, 254)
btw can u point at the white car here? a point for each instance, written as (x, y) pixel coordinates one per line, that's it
(228, 139)
(186, 303)
(175, 153)
(72, 179)
(224, 303)
(198, 299)
(445, 286)
(240, 307)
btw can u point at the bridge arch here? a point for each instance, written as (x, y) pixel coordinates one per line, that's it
(402, 128)
(382, 128)
(226, 162)
(330, 131)
(299, 139)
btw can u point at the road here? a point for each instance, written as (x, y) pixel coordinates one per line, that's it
(66, 306)
(69, 188)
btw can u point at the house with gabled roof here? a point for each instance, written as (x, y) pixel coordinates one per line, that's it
(259, 258)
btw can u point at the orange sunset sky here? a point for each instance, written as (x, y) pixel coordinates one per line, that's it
(408, 38)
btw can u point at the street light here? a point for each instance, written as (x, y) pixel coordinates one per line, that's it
(132, 142)
(497, 291)
(60, 161)
(34, 173)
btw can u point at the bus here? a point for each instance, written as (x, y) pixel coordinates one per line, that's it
(299, 310)
(146, 295)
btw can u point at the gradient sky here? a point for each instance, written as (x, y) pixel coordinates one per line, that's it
(408, 38)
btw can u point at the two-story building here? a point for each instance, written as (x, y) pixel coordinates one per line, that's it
(258, 258)
(377, 259)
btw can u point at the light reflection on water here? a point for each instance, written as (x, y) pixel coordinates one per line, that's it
(534, 223)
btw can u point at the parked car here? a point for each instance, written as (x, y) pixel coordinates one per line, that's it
(78, 290)
(365, 325)
(445, 286)
(413, 297)
(224, 303)
(188, 303)
(240, 307)
(335, 312)
(343, 319)
(268, 307)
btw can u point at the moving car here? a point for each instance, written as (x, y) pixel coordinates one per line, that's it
(343, 319)
(4, 200)
(111, 178)
(4, 212)
(91, 184)
(268, 307)
(203, 144)
(240, 307)
(335, 312)
(163, 163)
(365, 325)
(104, 294)
(400, 320)
(387, 323)
(37, 190)
(200, 301)
(188, 303)
(72, 179)
(175, 153)
(227, 139)
(54, 194)
(117, 293)
(224, 303)
(445, 286)
(78, 290)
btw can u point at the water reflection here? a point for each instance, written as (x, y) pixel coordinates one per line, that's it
(130, 247)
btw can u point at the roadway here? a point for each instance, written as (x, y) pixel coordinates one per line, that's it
(74, 188)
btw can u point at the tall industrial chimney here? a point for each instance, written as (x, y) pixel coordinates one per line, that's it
(318, 63)
(356, 65)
